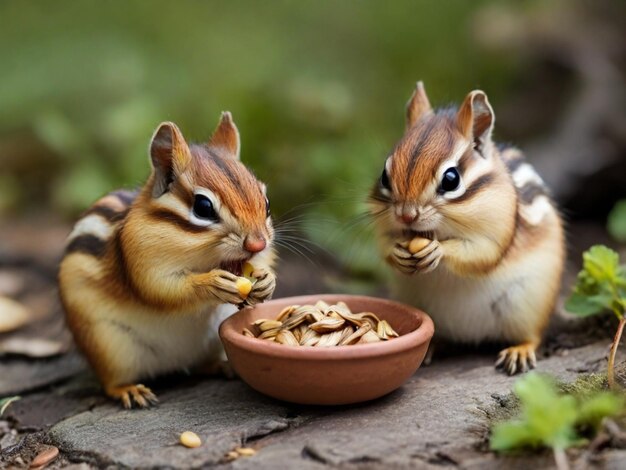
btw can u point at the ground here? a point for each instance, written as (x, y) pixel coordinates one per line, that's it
(439, 418)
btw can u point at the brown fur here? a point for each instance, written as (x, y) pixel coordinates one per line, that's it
(490, 234)
(140, 255)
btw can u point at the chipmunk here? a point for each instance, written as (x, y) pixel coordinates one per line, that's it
(148, 276)
(491, 264)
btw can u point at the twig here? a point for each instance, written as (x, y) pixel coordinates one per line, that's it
(560, 457)
(613, 353)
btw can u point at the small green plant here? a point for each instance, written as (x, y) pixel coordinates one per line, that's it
(5, 402)
(616, 223)
(600, 286)
(549, 418)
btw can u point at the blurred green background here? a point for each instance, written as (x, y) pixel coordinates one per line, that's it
(317, 89)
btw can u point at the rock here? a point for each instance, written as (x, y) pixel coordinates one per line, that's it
(223, 414)
(440, 417)
(19, 375)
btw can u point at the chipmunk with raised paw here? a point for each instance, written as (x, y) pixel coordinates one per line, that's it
(474, 220)
(148, 276)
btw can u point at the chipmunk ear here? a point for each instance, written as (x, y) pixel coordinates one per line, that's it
(475, 120)
(226, 136)
(417, 106)
(169, 154)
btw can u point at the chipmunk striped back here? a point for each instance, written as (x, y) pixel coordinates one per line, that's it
(94, 230)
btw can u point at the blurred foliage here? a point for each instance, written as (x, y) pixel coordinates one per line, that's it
(616, 223)
(317, 89)
(552, 419)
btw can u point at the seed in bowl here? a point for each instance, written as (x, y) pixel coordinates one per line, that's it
(321, 325)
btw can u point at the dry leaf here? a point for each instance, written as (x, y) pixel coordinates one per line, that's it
(13, 315)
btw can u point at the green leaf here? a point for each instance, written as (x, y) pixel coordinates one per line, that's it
(594, 409)
(601, 263)
(616, 222)
(513, 435)
(547, 417)
(582, 305)
(600, 285)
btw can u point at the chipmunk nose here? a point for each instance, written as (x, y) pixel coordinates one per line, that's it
(254, 244)
(408, 215)
(408, 218)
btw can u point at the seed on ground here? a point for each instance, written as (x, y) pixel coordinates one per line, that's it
(190, 439)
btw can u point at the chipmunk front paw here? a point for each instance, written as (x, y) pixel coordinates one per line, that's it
(223, 287)
(138, 394)
(263, 288)
(424, 261)
(519, 358)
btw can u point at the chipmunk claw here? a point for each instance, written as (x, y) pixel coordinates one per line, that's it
(224, 287)
(424, 261)
(138, 394)
(516, 359)
(263, 288)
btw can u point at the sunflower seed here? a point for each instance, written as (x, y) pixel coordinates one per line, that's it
(321, 325)
(356, 335)
(270, 325)
(294, 320)
(369, 337)
(330, 339)
(286, 312)
(286, 337)
(389, 331)
(327, 324)
(321, 305)
(271, 333)
(309, 338)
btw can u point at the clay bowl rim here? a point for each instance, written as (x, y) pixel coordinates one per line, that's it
(422, 334)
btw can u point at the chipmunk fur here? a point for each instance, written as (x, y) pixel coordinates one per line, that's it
(492, 268)
(147, 276)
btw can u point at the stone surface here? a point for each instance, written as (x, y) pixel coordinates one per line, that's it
(223, 413)
(19, 375)
(438, 418)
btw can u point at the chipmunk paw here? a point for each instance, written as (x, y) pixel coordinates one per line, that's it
(516, 359)
(138, 394)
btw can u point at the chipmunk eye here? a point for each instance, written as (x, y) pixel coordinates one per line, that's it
(267, 207)
(203, 208)
(450, 180)
(384, 180)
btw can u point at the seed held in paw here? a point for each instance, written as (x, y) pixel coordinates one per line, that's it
(418, 244)
(190, 439)
(244, 286)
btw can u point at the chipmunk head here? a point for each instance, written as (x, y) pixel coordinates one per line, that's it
(433, 181)
(210, 209)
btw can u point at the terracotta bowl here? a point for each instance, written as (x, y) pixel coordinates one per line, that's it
(328, 376)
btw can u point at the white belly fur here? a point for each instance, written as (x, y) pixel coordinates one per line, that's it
(142, 344)
(508, 304)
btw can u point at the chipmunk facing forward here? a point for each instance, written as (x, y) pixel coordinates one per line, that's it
(493, 256)
(148, 276)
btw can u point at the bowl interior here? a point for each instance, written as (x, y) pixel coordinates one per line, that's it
(413, 326)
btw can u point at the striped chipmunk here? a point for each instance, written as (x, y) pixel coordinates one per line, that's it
(148, 276)
(475, 222)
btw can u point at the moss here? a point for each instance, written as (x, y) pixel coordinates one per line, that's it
(586, 384)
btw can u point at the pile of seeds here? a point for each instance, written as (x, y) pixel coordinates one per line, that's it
(321, 325)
